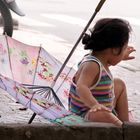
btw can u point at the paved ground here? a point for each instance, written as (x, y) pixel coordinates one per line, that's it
(10, 112)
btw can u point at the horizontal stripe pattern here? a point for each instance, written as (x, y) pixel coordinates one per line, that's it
(103, 91)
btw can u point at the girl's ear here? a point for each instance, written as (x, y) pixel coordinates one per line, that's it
(116, 51)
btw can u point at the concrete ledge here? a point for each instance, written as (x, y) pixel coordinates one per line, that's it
(131, 131)
(86, 131)
(94, 131)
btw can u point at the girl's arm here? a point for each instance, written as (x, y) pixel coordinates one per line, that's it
(85, 79)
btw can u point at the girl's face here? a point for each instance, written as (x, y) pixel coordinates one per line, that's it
(117, 55)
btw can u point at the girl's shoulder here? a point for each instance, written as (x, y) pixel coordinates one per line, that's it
(89, 58)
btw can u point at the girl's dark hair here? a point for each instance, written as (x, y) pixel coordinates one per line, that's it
(107, 33)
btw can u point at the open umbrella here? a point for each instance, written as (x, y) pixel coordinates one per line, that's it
(32, 65)
(36, 79)
(27, 73)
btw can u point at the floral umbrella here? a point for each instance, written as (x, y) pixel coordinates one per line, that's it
(33, 65)
(27, 73)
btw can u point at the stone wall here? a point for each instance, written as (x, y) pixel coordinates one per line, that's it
(87, 131)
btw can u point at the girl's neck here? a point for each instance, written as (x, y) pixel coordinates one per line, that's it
(102, 56)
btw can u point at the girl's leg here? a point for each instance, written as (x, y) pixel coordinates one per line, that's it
(121, 107)
(103, 116)
(121, 102)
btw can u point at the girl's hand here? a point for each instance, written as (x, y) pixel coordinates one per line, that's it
(127, 53)
(99, 107)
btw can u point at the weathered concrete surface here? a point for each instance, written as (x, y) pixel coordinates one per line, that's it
(92, 131)
(131, 131)
(86, 131)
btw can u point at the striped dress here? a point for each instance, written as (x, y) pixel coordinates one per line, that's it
(102, 90)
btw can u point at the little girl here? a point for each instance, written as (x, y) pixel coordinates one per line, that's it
(94, 94)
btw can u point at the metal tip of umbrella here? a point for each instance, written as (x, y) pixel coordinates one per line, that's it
(5, 34)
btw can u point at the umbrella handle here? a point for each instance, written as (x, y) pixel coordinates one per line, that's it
(100, 4)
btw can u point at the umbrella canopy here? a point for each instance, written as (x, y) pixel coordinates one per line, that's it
(21, 65)
(34, 66)
(42, 106)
